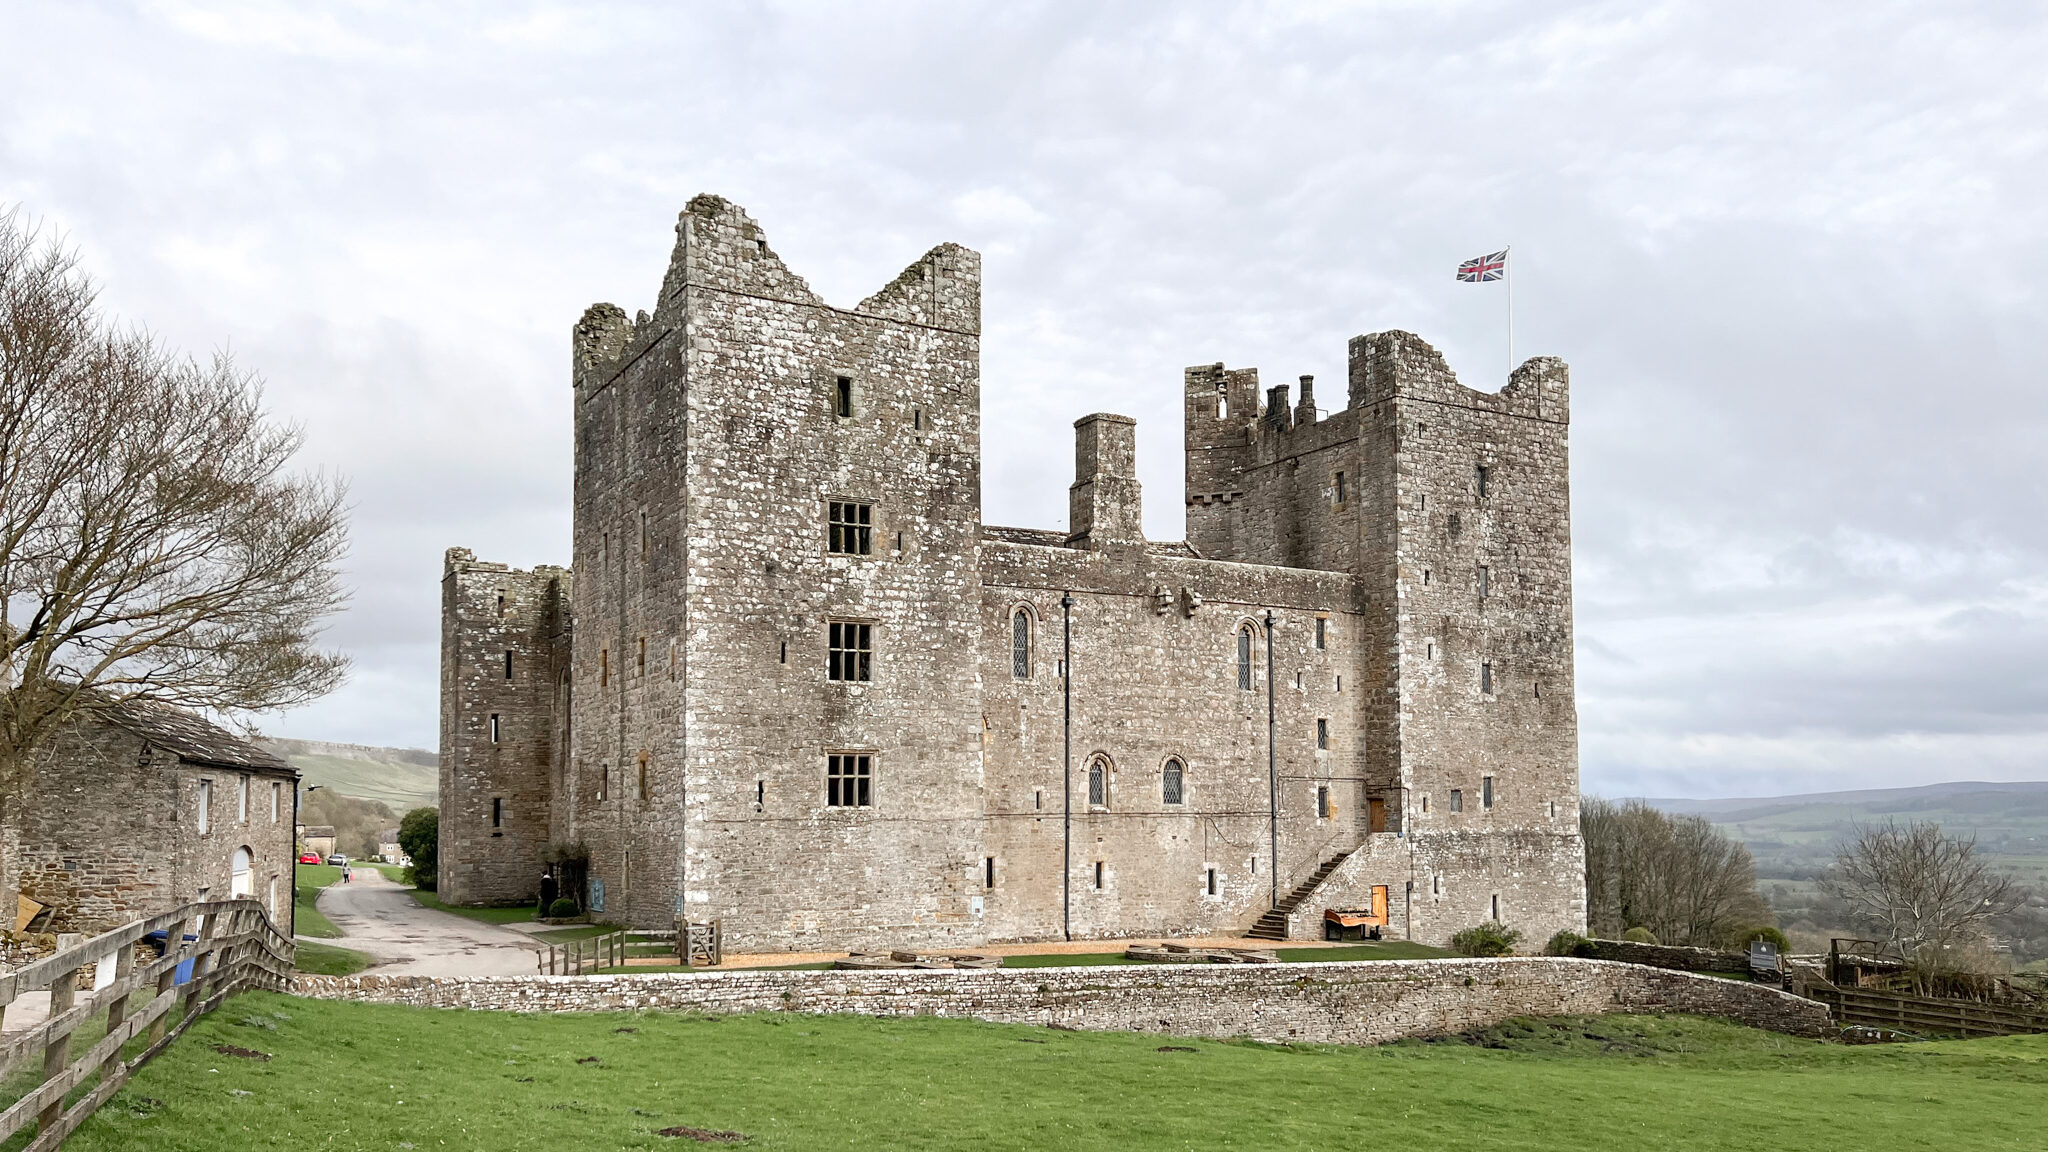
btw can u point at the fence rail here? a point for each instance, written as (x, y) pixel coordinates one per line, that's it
(1925, 1014)
(232, 945)
(691, 945)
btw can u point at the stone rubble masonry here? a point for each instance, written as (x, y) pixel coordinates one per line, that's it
(1318, 1003)
(1667, 956)
(685, 740)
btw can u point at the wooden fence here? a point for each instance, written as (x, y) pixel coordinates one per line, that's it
(611, 950)
(1922, 1015)
(233, 946)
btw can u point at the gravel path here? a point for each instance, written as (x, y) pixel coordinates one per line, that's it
(381, 918)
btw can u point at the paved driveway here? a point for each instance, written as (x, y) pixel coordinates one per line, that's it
(381, 918)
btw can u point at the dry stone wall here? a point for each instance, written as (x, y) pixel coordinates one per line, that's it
(1330, 1003)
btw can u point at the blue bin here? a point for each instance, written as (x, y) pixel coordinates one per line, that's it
(184, 973)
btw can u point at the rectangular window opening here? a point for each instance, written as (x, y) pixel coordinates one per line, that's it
(1486, 791)
(849, 649)
(1337, 489)
(988, 872)
(848, 779)
(1098, 874)
(1457, 799)
(501, 605)
(1486, 678)
(917, 425)
(497, 811)
(1209, 881)
(604, 779)
(760, 794)
(1496, 907)
(643, 534)
(842, 396)
(1436, 885)
(1485, 581)
(1425, 577)
(1038, 798)
(494, 727)
(508, 663)
(1322, 631)
(1484, 474)
(277, 801)
(604, 667)
(640, 667)
(850, 528)
(783, 656)
(1322, 732)
(646, 779)
(205, 806)
(1322, 802)
(242, 799)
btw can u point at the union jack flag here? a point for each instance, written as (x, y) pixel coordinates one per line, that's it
(1484, 269)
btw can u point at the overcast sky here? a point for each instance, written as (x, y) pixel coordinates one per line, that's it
(1791, 252)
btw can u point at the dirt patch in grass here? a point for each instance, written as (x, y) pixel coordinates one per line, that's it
(241, 1052)
(703, 1135)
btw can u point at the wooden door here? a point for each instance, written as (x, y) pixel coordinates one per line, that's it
(1379, 904)
(1376, 814)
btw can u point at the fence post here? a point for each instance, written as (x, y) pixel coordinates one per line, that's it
(117, 1009)
(57, 1053)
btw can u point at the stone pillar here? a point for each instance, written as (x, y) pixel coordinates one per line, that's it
(1103, 506)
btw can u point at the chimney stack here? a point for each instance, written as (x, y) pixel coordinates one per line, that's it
(1104, 506)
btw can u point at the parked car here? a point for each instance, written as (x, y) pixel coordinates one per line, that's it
(338, 860)
(309, 857)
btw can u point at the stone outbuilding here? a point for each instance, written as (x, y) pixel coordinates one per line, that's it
(147, 807)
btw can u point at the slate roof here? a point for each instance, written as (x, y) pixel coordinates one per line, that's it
(192, 738)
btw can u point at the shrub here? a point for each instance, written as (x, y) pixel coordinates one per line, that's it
(1640, 935)
(1566, 943)
(1769, 935)
(419, 836)
(1487, 939)
(562, 908)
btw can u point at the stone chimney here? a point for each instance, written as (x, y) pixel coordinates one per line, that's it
(1305, 409)
(1104, 507)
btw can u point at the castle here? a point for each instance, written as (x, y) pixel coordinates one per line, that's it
(793, 683)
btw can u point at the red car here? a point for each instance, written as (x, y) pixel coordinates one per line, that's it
(309, 858)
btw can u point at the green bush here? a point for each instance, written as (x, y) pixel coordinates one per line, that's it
(419, 836)
(1640, 935)
(1566, 943)
(562, 908)
(1488, 939)
(1768, 934)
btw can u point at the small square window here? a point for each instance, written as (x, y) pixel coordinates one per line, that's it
(848, 778)
(849, 649)
(850, 528)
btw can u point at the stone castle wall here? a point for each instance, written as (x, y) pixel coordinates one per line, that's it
(1333, 1003)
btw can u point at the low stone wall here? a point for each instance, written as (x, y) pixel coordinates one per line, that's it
(1666, 956)
(1336, 1003)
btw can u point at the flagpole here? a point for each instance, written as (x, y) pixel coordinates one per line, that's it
(1508, 270)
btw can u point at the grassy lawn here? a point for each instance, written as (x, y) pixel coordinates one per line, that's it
(516, 915)
(573, 932)
(327, 960)
(363, 1076)
(307, 881)
(392, 872)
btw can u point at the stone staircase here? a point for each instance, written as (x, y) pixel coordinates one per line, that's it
(1273, 925)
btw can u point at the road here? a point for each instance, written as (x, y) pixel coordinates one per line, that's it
(381, 918)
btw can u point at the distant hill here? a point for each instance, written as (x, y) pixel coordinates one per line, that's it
(1795, 836)
(400, 778)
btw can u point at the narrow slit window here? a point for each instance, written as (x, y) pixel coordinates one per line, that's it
(782, 656)
(1172, 782)
(1322, 732)
(1425, 577)
(988, 872)
(1485, 581)
(1337, 489)
(1483, 476)
(1244, 657)
(1322, 631)
(604, 779)
(760, 794)
(241, 799)
(1020, 644)
(1457, 799)
(497, 811)
(1209, 881)
(501, 605)
(1486, 678)
(646, 779)
(848, 778)
(508, 663)
(205, 806)
(850, 528)
(494, 727)
(1486, 791)
(277, 802)
(1496, 906)
(1322, 802)
(1098, 874)
(643, 534)
(1038, 798)
(842, 396)
(604, 667)
(1436, 885)
(850, 647)
(917, 425)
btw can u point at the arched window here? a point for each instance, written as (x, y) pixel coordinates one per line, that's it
(1171, 782)
(1244, 657)
(238, 883)
(1098, 782)
(1020, 644)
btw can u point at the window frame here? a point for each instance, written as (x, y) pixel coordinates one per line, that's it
(1023, 640)
(1247, 658)
(849, 651)
(849, 527)
(1173, 782)
(850, 779)
(1100, 790)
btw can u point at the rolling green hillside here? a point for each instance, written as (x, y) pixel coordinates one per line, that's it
(400, 778)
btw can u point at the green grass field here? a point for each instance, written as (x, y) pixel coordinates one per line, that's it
(327, 960)
(348, 1076)
(518, 914)
(307, 881)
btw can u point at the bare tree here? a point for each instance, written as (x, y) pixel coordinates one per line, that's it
(1678, 876)
(1927, 894)
(152, 543)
